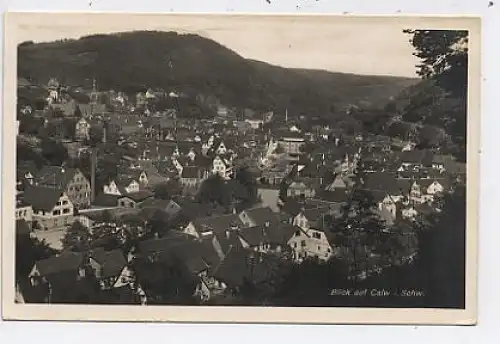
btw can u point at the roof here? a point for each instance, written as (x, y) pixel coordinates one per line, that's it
(217, 223)
(279, 234)
(55, 176)
(261, 215)
(415, 156)
(166, 243)
(42, 197)
(112, 262)
(190, 172)
(241, 265)
(104, 199)
(138, 196)
(381, 181)
(65, 262)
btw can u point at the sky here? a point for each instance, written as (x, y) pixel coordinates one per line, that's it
(367, 46)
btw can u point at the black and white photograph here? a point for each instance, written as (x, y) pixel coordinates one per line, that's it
(246, 162)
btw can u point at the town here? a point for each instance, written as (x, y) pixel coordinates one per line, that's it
(142, 200)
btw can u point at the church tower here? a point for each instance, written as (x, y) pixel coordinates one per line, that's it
(94, 96)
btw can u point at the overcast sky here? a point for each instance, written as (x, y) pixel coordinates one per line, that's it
(374, 46)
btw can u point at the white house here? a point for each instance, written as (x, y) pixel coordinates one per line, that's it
(222, 167)
(121, 187)
(310, 243)
(52, 208)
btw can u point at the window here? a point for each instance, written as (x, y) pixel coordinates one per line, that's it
(58, 203)
(303, 243)
(297, 233)
(316, 236)
(56, 212)
(65, 202)
(66, 211)
(294, 245)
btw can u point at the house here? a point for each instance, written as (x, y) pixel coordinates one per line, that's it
(75, 185)
(134, 199)
(291, 143)
(424, 190)
(258, 216)
(109, 267)
(268, 238)
(26, 172)
(52, 208)
(241, 267)
(255, 123)
(311, 243)
(82, 130)
(300, 189)
(24, 210)
(222, 167)
(207, 226)
(414, 160)
(58, 276)
(122, 186)
(338, 184)
(191, 176)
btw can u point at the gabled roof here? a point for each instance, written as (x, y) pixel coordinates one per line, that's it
(217, 223)
(41, 197)
(112, 262)
(261, 215)
(278, 233)
(166, 243)
(55, 176)
(415, 156)
(381, 181)
(65, 262)
(106, 200)
(138, 196)
(241, 265)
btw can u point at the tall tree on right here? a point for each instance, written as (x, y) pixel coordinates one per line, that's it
(444, 59)
(442, 252)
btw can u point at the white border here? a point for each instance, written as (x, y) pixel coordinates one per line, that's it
(237, 314)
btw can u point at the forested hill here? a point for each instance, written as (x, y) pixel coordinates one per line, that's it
(133, 61)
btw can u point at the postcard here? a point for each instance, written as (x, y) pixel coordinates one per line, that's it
(240, 168)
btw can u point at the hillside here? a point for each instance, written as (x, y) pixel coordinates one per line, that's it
(133, 61)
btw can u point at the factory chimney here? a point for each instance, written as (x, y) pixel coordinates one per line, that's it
(93, 162)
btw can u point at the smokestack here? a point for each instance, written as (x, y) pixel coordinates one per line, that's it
(104, 130)
(93, 162)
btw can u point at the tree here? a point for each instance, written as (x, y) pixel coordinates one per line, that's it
(78, 237)
(69, 125)
(96, 135)
(248, 184)
(442, 252)
(78, 112)
(214, 190)
(168, 189)
(26, 153)
(28, 251)
(159, 223)
(444, 56)
(54, 152)
(359, 232)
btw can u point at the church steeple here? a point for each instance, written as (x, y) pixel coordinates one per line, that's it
(94, 93)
